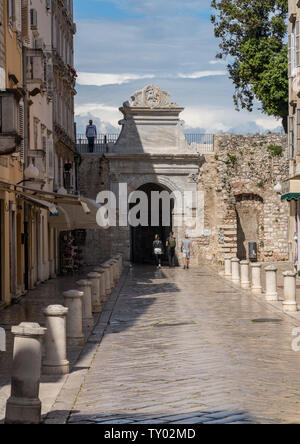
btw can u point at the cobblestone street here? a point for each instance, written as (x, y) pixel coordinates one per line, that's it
(186, 347)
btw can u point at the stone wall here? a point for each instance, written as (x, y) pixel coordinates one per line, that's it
(94, 178)
(241, 204)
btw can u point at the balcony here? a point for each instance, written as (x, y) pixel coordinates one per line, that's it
(35, 69)
(203, 143)
(10, 125)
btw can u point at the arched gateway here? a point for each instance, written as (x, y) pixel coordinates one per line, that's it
(152, 154)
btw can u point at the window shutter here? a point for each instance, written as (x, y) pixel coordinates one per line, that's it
(21, 130)
(25, 21)
(298, 43)
(290, 54)
(18, 15)
(291, 136)
(298, 132)
(54, 32)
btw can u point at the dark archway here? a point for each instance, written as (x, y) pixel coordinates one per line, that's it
(142, 237)
(250, 221)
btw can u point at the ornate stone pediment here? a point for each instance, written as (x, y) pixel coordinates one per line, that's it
(151, 97)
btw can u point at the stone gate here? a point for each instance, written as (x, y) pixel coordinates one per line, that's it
(235, 179)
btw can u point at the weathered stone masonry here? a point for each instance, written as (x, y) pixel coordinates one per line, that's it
(241, 204)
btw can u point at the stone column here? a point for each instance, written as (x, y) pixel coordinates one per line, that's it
(245, 281)
(256, 286)
(119, 258)
(101, 271)
(271, 283)
(111, 277)
(56, 362)
(96, 301)
(24, 406)
(73, 301)
(227, 274)
(115, 270)
(116, 259)
(235, 264)
(106, 267)
(290, 303)
(87, 312)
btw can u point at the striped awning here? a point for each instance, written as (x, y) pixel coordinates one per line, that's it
(290, 196)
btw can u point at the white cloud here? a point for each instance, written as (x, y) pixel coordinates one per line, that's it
(268, 123)
(157, 7)
(99, 79)
(227, 120)
(217, 62)
(201, 74)
(109, 114)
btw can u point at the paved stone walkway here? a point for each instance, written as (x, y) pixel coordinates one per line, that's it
(182, 347)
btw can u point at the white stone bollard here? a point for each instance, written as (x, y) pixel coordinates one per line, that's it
(56, 362)
(117, 267)
(235, 264)
(106, 267)
(290, 303)
(245, 281)
(73, 301)
(111, 276)
(271, 283)
(96, 301)
(119, 258)
(87, 311)
(115, 270)
(24, 406)
(256, 286)
(101, 271)
(228, 272)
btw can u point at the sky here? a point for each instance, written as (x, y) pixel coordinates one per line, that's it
(123, 45)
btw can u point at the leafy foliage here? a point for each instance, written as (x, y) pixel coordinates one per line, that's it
(275, 150)
(252, 37)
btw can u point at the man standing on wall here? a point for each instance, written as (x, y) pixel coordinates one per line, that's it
(171, 245)
(91, 134)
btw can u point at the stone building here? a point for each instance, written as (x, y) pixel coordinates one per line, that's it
(12, 97)
(39, 85)
(243, 203)
(233, 179)
(64, 78)
(291, 189)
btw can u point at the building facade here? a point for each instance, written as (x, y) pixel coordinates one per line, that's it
(291, 189)
(233, 181)
(37, 148)
(12, 121)
(64, 78)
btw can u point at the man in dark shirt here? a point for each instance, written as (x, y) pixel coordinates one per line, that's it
(171, 245)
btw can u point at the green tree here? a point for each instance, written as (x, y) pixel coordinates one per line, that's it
(252, 37)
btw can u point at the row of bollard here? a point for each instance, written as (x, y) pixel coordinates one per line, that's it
(239, 272)
(64, 327)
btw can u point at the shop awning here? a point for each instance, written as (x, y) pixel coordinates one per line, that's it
(67, 211)
(290, 196)
(41, 203)
(72, 217)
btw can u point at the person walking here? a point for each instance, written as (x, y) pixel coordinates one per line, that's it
(171, 246)
(91, 135)
(186, 249)
(158, 250)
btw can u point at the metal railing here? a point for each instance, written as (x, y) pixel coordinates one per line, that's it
(204, 143)
(100, 146)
